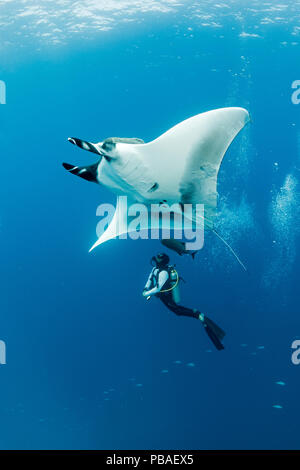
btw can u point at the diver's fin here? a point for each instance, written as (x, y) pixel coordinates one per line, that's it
(214, 327)
(88, 173)
(231, 249)
(83, 144)
(214, 332)
(214, 338)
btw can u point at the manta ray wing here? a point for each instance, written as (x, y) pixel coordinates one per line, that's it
(186, 159)
(199, 180)
(133, 217)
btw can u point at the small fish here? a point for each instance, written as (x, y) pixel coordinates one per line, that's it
(280, 383)
(164, 371)
(278, 407)
(177, 362)
(178, 246)
(260, 347)
(191, 364)
(208, 350)
(243, 345)
(139, 385)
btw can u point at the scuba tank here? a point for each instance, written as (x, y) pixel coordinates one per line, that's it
(173, 284)
(175, 288)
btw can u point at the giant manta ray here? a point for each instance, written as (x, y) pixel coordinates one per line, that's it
(180, 166)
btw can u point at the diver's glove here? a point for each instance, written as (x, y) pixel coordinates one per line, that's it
(145, 294)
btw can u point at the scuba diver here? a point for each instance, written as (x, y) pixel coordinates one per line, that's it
(163, 283)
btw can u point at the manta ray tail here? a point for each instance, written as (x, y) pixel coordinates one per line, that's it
(88, 173)
(231, 249)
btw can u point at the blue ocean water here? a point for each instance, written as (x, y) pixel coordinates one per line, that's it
(90, 363)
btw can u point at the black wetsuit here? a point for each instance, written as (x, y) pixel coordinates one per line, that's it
(167, 300)
(215, 333)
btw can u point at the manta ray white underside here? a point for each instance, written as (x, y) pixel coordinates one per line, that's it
(180, 166)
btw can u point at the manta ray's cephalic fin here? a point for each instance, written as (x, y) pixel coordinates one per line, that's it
(88, 173)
